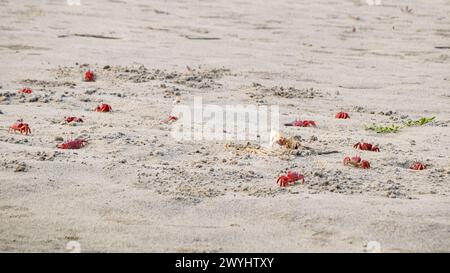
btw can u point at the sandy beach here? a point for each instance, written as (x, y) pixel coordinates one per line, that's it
(134, 187)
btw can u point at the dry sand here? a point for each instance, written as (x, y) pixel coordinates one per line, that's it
(134, 188)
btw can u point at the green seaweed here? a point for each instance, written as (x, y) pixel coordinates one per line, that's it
(394, 128)
(384, 129)
(418, 122)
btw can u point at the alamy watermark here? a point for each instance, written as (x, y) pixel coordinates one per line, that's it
(73, 247)
(224, 122)
(373, 247)
(74, 2)
(373, 2)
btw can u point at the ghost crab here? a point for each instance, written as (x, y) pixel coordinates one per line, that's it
(20, 126)
(292, 142)
(302, 123)
(25, 91)
(357, 162)
(72, 144)
(290, 178)
(417, 166)
(366, 147)
(103, 107)
(89, 76)
(73, 119)
(342, 115)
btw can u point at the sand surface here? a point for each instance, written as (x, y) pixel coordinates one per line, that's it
(135, 188)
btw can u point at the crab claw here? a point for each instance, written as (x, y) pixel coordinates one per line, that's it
(347, 160)
(365, 164)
